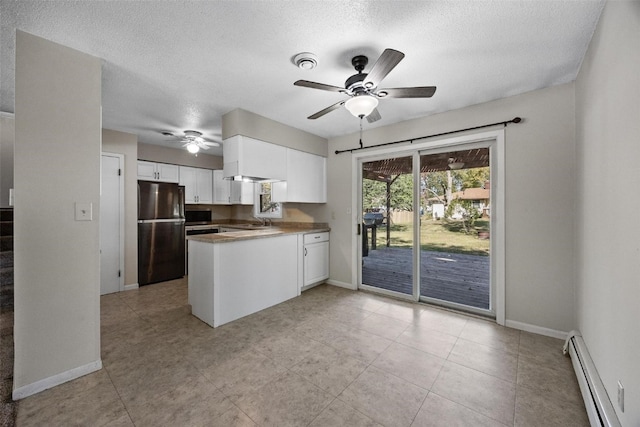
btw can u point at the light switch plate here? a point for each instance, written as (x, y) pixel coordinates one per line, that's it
(84, 211)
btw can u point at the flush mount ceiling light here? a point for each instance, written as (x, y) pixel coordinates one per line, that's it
(453, 165)
(305, 60)
(361, 105)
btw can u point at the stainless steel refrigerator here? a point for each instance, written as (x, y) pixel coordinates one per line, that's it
(161, 238)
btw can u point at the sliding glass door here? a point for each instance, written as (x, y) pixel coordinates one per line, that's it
(455, 206)
(387, 225)
(426, 225)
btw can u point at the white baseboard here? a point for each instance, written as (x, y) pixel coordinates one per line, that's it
(341, 284)
(536, 329)
(63, 377)
(131, 287)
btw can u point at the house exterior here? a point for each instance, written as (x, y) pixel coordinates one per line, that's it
(575, 140)
(479, 197)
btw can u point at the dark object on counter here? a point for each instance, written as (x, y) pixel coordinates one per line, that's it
(161, 233)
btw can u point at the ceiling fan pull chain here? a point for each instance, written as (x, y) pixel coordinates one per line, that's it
(361, 117)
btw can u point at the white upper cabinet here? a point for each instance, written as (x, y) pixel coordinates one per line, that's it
(242, 193)
(198, 185)
(150, 171)
(249, 157)
(221, 189)
(306, 179)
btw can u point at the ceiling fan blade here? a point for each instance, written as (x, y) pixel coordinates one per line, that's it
(374, 116)
(383, 66)
(321, 86)
(326, 110)
(211, 143)
(409, 92)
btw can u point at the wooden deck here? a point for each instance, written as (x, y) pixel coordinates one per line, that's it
(463, 279)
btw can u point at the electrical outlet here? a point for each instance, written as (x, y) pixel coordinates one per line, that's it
(621, 396)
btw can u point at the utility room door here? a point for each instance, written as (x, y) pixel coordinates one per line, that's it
(111, 225)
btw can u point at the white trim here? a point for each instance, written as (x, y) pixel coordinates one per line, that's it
(341, 284)
(120, 158)
(63, 377)
(495, 140)
(388, 293)
(498, 230)
(553, 333)
(7, 115)
(131, 287)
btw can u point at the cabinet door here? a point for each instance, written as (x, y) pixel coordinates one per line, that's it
(188, 179)
(204, 185)
(146, 170)
(316, 263)
(221, 189)
(306, 179)
(242, 193)
(168, 173)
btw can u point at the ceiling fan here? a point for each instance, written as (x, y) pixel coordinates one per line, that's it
(363, 87)
(194, 142)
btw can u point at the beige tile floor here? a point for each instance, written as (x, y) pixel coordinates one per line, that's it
(330, 357)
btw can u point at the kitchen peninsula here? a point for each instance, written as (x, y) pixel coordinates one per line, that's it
(234, 274)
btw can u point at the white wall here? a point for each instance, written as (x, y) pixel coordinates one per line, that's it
(57, 262)
(608, 228)
(127, 145)
(540, 198)
(176, 156)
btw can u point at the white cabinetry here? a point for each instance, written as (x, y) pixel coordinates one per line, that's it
(306, 179)
(242, 193)
(316, 258)
(221, 189)
(198, 184)
(228, 192)
(249, 157)
(150, 171)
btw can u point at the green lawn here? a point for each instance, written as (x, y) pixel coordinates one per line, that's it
(438, 235)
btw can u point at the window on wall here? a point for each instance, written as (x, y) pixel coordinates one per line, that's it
(264, 206)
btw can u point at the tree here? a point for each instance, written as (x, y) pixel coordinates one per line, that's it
(466, 210)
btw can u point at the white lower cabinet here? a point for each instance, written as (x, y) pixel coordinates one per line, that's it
(316, 258)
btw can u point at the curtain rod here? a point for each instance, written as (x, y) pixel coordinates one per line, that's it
(514, 120)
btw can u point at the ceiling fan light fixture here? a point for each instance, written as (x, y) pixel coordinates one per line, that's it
(306, 60)
(361, 105)
(193, 148)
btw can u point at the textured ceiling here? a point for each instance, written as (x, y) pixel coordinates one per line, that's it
(173, 66)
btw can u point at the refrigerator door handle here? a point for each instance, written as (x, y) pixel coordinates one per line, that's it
(151, 221)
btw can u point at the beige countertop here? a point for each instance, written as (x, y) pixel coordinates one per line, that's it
(247, 232)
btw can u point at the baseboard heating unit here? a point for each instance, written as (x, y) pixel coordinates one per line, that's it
(599, 407)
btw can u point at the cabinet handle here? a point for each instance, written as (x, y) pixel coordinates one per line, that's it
(305, 251)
